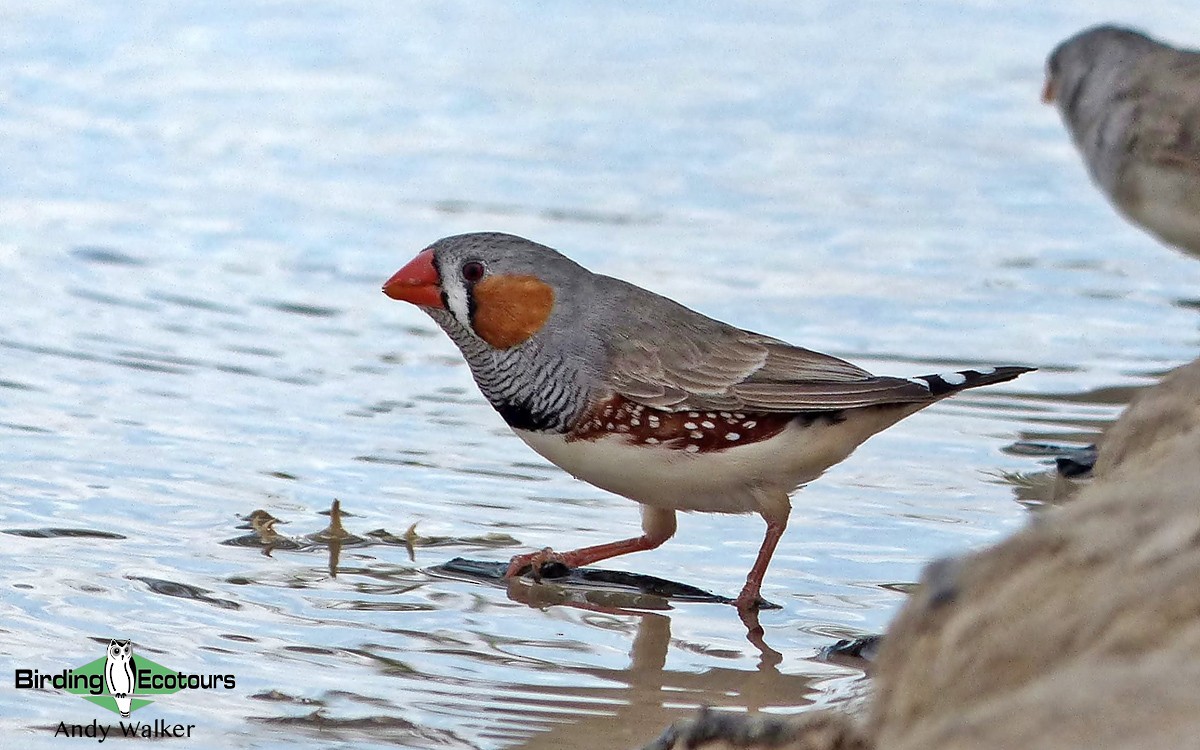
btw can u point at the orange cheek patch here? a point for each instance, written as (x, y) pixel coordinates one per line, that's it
(510, 309)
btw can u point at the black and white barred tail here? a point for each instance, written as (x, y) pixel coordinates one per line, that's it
(946, 383)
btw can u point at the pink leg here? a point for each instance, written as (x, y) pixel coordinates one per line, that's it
(658, 525)
(749, 599)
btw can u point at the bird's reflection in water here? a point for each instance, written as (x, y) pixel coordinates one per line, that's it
(619, 602)
(652, 696)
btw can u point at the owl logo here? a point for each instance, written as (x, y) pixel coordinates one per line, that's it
(118, 673)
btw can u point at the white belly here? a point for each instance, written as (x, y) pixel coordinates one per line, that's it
(740, 479)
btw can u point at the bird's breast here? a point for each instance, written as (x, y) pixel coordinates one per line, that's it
(1165, 200)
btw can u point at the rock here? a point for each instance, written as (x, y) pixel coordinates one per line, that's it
(717, 730)
(1149, 430)
(1081, 630)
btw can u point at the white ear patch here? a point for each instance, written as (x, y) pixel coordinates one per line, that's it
(456, 296)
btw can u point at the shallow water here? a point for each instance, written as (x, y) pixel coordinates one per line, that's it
(199, 206)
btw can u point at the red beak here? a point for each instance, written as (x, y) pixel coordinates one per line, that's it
(418, 282)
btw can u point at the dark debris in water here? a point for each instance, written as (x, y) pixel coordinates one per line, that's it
(319, 718)
(366, 727)
(36, 429)
(276, 696)
(111, 299)
(53, 533)
(16, 386)
(299, 308)
(264, 536)
(106, 256)
(582, 215)
(865, 647)
(411, 538)
(185, 591)
(254, 541)
(195, 303)
(1076, 467)
(636, 583)
(1072, 461)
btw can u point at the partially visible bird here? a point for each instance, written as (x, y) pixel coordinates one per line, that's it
(1132, 106)
(645, 398)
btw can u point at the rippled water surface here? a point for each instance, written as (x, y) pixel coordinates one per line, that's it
(200, 202)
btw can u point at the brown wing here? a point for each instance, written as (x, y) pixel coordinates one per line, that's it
(673, 358)
(1166, 130)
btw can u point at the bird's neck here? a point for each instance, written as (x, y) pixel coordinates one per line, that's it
(531, 388)
(1099, 112)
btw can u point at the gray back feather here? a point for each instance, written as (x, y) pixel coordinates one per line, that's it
(662, 354)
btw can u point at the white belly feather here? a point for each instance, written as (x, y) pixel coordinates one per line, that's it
(739, 479)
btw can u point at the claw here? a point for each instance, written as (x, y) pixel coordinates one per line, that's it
(750, 602)
(536, 562)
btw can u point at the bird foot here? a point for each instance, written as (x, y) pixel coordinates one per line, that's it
(750, 601)
(545, 563)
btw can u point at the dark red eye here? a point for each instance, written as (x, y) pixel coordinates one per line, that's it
(472, 270)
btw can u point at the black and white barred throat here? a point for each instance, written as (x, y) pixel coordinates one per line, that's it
(531, 389)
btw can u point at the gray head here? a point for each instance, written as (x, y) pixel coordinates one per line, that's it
(1100, 51)
(500, 288)
(516, 310)
(1087, 77)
